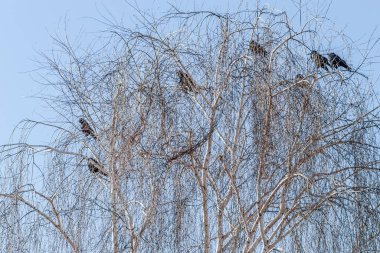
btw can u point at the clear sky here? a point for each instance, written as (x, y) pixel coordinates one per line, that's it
(27, 27)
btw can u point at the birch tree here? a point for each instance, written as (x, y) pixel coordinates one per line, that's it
(209, 132)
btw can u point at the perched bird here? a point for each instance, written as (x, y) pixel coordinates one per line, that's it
(186, 82)
(319, 60)
(302, 91)
(336, 61)
(301, 81)
(95, 167)
(86, 129)
(299, 77)
(256, 48)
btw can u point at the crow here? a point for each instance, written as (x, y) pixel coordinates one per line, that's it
(95, 167)
(186, 82)
(319, 60)
(336, 61)
(258, 49)
(86, 129)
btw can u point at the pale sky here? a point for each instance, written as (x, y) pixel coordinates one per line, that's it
(27, 27)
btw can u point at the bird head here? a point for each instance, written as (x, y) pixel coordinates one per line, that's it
(313, 52)
(81, 120)
(91, 160)
(180, 73)
(331, 55)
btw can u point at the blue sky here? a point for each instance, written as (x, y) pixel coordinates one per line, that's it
(27, 27)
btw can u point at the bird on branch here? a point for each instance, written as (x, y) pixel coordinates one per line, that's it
(86, 128)
(95, 167)
(256, 48)
(303, 90)
(301, 81)
(193, 147)
(299, 77)
(336, 61)
(186, 83)
(319, 60)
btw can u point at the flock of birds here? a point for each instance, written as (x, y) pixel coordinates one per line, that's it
(333, 61)
(188, 85)
(320, 61)
(93, 165)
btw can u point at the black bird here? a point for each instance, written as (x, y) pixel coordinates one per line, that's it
(95, 167)
(319, 60)
(256, 48)
(86, 129)
(336, 61)
(186, 82)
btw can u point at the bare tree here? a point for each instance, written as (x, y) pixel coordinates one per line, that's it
(243, 152)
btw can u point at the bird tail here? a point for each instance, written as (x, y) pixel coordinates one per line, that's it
(103, 173)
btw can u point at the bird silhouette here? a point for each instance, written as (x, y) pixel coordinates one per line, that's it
(256, 48)
(186, 83)
(95, 167)
(86, 128)
(336, 61)
(319, 60)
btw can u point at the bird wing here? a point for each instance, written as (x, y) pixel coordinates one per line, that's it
(325, 60)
